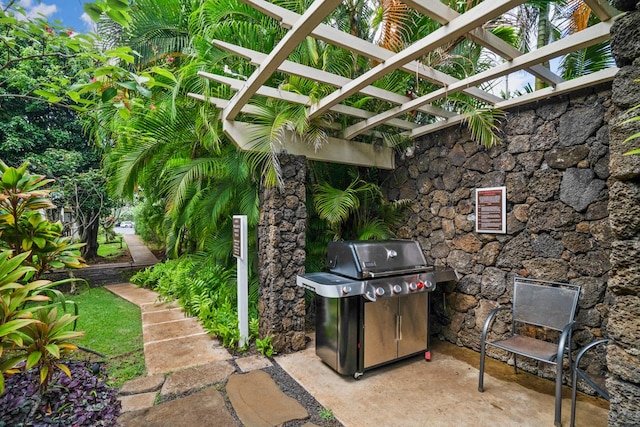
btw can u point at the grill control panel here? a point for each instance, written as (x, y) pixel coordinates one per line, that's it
(391, 286)
(334, 286)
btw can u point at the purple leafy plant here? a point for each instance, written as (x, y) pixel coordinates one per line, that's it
(85, 399)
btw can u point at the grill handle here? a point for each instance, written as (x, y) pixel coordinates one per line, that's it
(415, 270)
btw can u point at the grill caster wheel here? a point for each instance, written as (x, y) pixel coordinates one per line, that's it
(427, 356)
(358, 375)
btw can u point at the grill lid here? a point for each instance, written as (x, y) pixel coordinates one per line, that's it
(375, 258)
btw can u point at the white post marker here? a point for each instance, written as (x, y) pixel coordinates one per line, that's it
(240, 252)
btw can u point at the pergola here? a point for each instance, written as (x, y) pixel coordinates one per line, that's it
(345, 147)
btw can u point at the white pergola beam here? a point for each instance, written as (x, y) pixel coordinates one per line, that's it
(596, 78)
(369, 50)
(293, 68)
(318, 11)
(603, 10)
(443, 14)
(456, 28)
(584, 38)
(593, 79)
(297, 98)
(221, 103)
(247, 137)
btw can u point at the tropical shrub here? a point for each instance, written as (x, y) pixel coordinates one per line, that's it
(31, 332)
(23, 227)
(205, 291)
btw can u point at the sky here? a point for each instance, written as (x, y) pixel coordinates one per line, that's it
(69, 12)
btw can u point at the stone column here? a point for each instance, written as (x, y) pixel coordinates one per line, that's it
(623, 326)
(281, 257)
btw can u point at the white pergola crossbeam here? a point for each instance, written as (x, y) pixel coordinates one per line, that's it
(587, 37)
(593, 79)
(395, 110)
(297, 98)
(369, 50)
(456, 28)
(443, 14)
(325, 77)
(603, 10)
(247, 135)
(318, 11)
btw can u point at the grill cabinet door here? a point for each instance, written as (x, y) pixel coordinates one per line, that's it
(413, 314)
(337, 332)
(380, 331)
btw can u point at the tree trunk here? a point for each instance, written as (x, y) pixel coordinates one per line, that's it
(89, 235)
(544, 34)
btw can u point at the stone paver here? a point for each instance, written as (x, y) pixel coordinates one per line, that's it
(259, 402)
(142, 385)
(159, 316)
(203, 408)
(138, 250)
(158, 305)
(187, 380)
(179, 353)
(171, 329)
(136, 402)
(133, 294)
(252, 363)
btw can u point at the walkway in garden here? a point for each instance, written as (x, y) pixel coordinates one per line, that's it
(192, 380)
(140, 253)
(186, 371)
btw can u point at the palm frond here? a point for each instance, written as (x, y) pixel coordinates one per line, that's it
(333, 204)
(483, 125)
(373, 229)
(586, 61)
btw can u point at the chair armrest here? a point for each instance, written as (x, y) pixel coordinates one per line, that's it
(579, 372)
(487, 323)
(562, 342)
(589, 347)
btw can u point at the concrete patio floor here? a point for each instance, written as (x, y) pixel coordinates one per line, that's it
(442, 392)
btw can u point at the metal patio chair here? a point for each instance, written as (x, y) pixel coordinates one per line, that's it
(539, 303)
(595, 381)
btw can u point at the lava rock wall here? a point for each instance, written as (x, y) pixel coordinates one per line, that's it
(554, 162)
(623, 326)
(281, 257)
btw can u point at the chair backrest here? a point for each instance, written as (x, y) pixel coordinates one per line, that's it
(542, 303)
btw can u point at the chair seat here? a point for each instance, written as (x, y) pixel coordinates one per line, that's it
(530, 347)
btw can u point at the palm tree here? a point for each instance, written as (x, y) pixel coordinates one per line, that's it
(172, 147)
(578, 16)
(550, 20)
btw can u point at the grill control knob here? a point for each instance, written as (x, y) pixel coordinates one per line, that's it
(428, 285)
(420, 284)
(379, 291)
(397, 289)
(413, 286)
(346, 289)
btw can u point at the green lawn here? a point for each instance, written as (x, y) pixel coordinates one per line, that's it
(113, 327)
(112, 249)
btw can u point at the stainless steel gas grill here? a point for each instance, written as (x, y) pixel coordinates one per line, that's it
(372, 307)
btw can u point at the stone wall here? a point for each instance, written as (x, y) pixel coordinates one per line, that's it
(281, 257)
(554, 162)
(623, 327)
